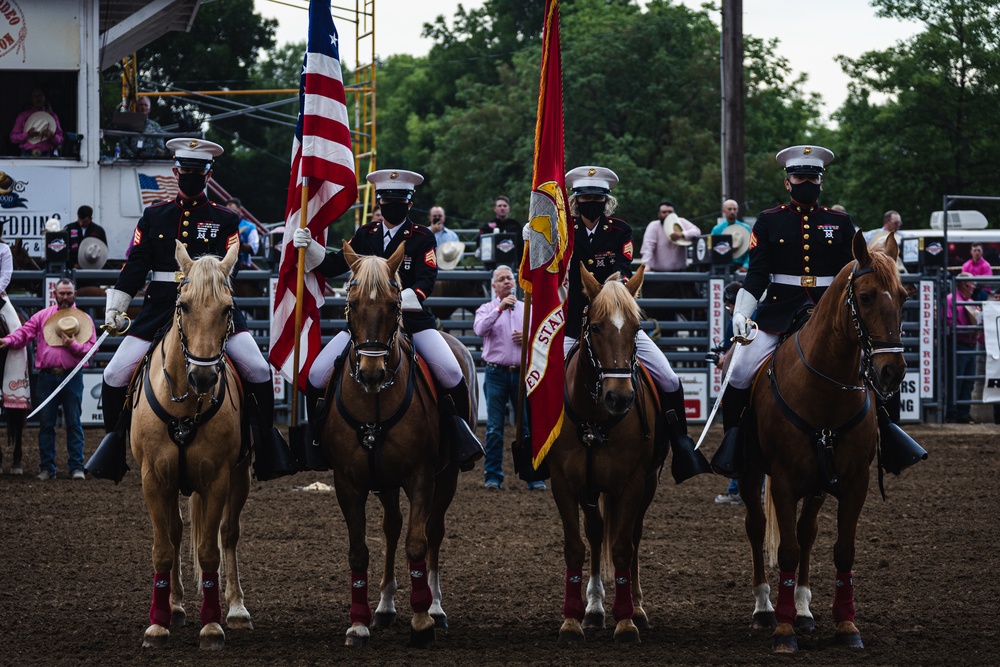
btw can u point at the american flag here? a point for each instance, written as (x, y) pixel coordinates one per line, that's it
(323, 159)
(156, 188)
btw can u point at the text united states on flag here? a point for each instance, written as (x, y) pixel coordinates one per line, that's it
(323, 160)
(156, 188)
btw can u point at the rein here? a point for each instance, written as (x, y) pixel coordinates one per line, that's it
(869, 347)
(190, 359)
(375, 348)
(595, 364)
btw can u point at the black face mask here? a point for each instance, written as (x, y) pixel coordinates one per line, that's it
(591, 210)
(191, 184)
(394, 212)
(805, 193)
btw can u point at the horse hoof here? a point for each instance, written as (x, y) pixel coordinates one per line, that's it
(155, 637)
(239, 620)
(764, 620)
(593, 621)
(178, 619)
(17, 470)
(384, 619)
(440, 621)
(422, 638)
(356, 641)
(212, 638)
(805, 624)
(848, 639)
(784, 644)
(641, 621)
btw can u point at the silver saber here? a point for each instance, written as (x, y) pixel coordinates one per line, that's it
(740, 342)
(108, 331)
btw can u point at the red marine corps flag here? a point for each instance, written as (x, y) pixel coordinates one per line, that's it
(322, 186)
(549, 246)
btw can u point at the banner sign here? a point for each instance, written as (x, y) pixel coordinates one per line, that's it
(927, 338)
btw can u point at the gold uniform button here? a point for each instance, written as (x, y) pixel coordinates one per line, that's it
(805, 236)
(781, 240)
(161, 236)
(805, 218)
(187, 222)
(829, 242)
(187, 214)
(186, 245)
(805, 226)
(590, 261)
(807, 256)
(806, 247)
(774, 298)
(808, 269)
(185, 235)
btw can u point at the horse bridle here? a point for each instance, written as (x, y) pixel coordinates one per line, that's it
(595, 364)
(374, 348)
(869, 346)
(217, 360)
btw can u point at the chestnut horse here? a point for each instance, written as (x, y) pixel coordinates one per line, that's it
(605, 450)
(191, 443)
(815, 420)
(382, 433)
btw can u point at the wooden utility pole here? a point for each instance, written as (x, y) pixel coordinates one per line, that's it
(734, 166)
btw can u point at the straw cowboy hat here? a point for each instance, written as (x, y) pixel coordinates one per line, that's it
(93, 253)
(671, 224)
(878, 241)
(741, 240)
(72, 321)
(449, 254)
(40, 121)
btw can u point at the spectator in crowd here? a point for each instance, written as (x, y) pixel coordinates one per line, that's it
(441, 233)
(147, 144)
(377, 215)
(977, 266)
(666, 240)
(499, 324)
(249, 236)
(502, 223)
(83, 228)
(63, 335)
(891, 222)
(37, 132)
(730, 211)
(960, 315)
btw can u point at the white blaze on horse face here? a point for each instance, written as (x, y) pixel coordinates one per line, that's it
(372, 295)
(803, 596)
(762, 598)
(618, 319)
(595, 596)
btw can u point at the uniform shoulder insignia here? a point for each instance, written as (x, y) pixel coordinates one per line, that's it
(776, 209)
(420, 230)
(832, 212)
(161, 203)
(371, 227)
(619, 224)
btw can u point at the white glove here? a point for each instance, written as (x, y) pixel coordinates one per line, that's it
(315, 253)
(746, 304)
(301, 237)
(114, 310)
(411, 304)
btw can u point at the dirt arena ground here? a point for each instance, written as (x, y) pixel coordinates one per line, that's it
(76, 582)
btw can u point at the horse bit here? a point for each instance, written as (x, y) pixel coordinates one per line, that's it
(374, 348)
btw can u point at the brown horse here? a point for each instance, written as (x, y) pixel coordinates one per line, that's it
(607, 451)
(192, 443)
(384, 435)
(816, 424)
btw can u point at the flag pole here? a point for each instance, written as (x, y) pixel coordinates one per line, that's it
(525, 329)
(300, 280)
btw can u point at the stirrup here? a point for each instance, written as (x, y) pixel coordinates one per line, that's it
(108, 461)
(728, 458)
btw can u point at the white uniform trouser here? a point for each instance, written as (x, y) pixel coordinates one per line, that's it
(430, 345)
(241, 348)
(751, 359)
(651, 357)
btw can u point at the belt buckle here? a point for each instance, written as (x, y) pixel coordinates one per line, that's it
(807, 281)
(178, 276)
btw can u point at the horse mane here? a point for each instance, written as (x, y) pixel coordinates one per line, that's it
(206, 280)
(614, 297)
(370, 277)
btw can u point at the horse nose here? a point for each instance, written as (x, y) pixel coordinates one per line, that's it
(618, 402)
(891, 376)
(202, 379)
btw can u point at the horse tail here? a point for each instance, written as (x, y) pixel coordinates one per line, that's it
(608, 509)
(771, 536)
(197, 511)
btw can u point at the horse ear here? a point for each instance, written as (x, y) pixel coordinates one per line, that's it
(590, 285)
(861, 249)
(635, 282)
(184, 260)
(891, 247)
(230, 259)
(396, 259)
(349, 255)
(614, 277)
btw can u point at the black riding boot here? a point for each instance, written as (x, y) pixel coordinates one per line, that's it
(272, 458)
(728, 459)
(312, 455)
(687, 461)
(463, 444)
(108, 461)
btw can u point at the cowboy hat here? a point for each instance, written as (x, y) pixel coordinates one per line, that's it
(672, 224)
(92, 254)
(449, 254)
(878, 241)
(40, 121)
(53, 224)
(71, 321)
(741, 240)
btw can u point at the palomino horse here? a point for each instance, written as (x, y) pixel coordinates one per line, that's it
(608, 452)
(382, 433)
(191, 442)
(815, 420)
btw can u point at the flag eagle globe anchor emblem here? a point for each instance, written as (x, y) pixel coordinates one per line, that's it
(547, 209)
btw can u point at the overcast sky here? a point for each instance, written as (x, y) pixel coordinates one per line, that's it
(811, 34)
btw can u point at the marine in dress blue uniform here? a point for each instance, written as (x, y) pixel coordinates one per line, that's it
(203, 227)
(603, 246)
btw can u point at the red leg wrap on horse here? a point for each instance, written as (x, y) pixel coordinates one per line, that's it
(420, 592)
(159, 612)
(843, 597)
(785, 611)
(573, 606)
(211, 607)
(361, 611)
(623, 607)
